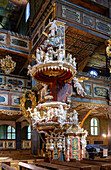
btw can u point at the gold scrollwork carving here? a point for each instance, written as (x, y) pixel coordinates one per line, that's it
(108, 48)
(28, 99)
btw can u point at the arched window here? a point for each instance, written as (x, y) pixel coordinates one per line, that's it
(29, 132)
(7, 132)
(10, 132)
(94, 126)
(26, 132)
(27, 12)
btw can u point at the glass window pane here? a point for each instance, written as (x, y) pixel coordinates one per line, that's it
(9, 129)
(91, 122)
(9, 136)
(95, 122)
(94, 126)
(29, 129)
(13, 135)
(96, 131)
(27, 12)
(13, 129)
(92, 132)
(29, 135)
(3, 132)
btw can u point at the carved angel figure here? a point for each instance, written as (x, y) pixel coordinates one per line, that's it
(61, 115)
(74, 62)
(78, 86)
(53, 27)
(74, 117)
(46, 57)
(29, 70)
(38, 56)
(69, 58)
(61, 53)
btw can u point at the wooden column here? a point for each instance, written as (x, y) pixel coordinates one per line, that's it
(109, 136)
(109, 9)
(35, 142)
(18, 135)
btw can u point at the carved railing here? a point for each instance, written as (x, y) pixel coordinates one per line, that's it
(14, 42)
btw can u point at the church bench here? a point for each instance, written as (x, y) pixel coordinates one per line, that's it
(26, 166)
(54, 166)
(77, 164)
(103, 165)
(6, 167)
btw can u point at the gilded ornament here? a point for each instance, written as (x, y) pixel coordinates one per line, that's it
(28, 100)
(7, 64)
(108, 48)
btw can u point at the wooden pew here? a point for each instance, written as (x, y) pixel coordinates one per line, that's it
(103, 165)
(54, 166)
(77, 164)
(25, 166)
(6, 167)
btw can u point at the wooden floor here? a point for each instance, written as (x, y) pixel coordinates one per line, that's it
(14, 157)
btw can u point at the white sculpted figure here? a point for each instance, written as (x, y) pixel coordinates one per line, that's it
(83, 139)
(61, 115)
(53, 27)
(78, 86)
(55, 112)
(38, 56)
(41, 55)
(29, 70)
(35, 115)
(75, 117)
(61, 53)
(69, 58)
(50, 51)
(74, 62)
(48, 113)
(46, 57)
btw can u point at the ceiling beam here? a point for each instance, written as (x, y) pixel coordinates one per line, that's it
(20, 119)
(82, 64)
(20, 17)
(24, 66)
(85, 117)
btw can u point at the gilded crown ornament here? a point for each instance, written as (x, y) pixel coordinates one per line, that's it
(7, 64)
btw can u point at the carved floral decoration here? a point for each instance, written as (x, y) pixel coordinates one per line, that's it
(7, 64)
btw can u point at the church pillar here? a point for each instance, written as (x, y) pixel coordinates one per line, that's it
(18, 135)
(109, 136)
(109, 9)
(35, 142)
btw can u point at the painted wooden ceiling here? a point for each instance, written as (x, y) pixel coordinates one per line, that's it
(10, 11)
(88, 49)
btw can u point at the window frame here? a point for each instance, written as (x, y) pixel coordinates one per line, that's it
(10, 132)
(28, 132)
(94, 126)
(27, 12)
(6, 132)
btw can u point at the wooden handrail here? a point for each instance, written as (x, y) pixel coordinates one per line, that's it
(29, 166)
(6, 167)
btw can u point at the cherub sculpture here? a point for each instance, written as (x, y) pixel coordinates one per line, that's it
(78, 86)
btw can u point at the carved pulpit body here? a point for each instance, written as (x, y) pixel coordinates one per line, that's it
(53, 114)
